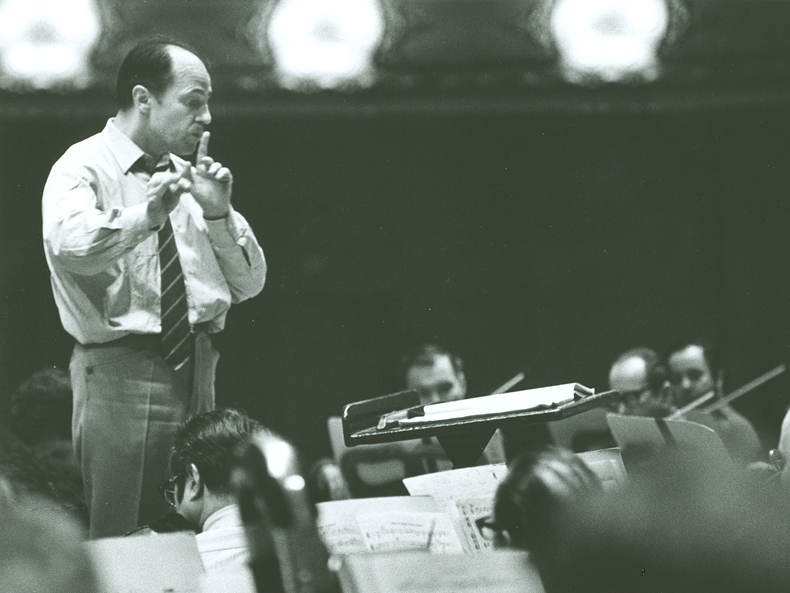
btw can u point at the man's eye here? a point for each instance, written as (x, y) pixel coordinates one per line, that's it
(444, 387)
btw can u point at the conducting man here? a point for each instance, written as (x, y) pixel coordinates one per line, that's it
(146, 255)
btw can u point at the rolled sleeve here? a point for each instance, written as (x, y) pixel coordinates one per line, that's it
(238, 254)
(79, 236)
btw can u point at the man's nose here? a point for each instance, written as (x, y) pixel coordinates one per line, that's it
(204, 117)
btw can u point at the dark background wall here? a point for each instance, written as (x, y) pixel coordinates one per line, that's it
(539, 240)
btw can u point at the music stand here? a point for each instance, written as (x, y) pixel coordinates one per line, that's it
(463, 439)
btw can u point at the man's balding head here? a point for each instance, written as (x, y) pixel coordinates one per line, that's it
(642, 379)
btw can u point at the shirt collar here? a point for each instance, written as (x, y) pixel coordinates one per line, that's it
(228, 517)
(126, 152)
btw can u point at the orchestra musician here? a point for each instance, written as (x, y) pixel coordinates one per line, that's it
(696, 370)
(642, 380)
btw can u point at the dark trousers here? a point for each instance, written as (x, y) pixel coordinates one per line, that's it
(128, 404)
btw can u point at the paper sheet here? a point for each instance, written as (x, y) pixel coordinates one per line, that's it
(386, 524)
(164, 562)
(502, 571)
(470, 510)
(500, 403)
(468, 482)
(386, 532)
(466, 495)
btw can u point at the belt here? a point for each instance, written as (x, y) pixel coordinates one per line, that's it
(142, 341)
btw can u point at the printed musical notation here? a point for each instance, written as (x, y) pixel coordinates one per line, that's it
(386, 524)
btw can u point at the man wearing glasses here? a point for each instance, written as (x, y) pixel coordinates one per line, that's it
(642, 379)
(200, 488)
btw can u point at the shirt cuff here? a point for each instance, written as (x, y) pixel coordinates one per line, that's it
(225, 232)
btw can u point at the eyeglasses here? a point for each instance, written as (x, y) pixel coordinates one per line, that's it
(168, 490)
(488, 528)
(627, 399)
(634, 395)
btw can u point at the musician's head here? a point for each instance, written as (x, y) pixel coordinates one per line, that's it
(435, 373)
(642, 379)
(696, 369)
(202, 460)
(538, 487)
(688, 523)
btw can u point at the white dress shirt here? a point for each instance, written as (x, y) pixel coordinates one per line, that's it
(102, 250)
(222, 543)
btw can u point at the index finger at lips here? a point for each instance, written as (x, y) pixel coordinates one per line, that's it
(202, 151)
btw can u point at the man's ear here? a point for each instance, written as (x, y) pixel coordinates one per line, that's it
(142, 97)
(462, 380)
(193, 486)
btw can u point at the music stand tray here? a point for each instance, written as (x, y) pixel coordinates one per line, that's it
(463, 439)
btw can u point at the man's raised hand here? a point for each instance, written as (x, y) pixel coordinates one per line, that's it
(212, 183)
(164, 191)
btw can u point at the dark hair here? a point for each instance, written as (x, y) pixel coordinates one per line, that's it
(148, 64)
(41, 407)
(710, 351)
(426, 355)
(535, 489)
(23, 470)
(656, 370)
(210, 441)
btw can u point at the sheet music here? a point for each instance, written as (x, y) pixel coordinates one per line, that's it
(387, 532)
(343, 509)
(465, 494)
(341, 537)
(387, 523)
(468, 482)
(469, 511)
(500, 403)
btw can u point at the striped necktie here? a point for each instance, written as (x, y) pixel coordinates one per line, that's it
(176, 347)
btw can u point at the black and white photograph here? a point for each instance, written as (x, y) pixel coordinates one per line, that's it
(394, 296)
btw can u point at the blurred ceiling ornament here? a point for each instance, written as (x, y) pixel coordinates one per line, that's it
(214, 29)
(461, 36)
(604, 41)
(47, 44)
(324, 44)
